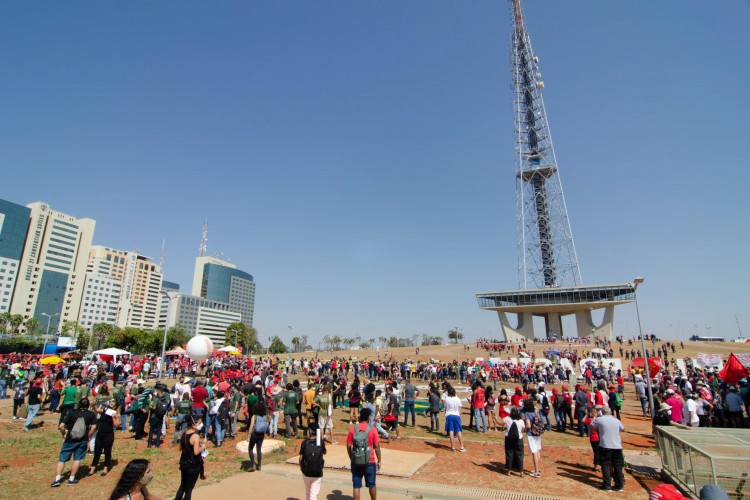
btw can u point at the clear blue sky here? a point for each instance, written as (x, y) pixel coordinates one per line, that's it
(357, 157)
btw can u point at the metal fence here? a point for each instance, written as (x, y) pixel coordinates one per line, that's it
(693, 458)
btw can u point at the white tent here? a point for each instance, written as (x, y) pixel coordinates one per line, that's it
(112, 351)
(228, 348)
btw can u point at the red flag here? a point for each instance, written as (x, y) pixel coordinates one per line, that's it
(654, 365)
(733, 371)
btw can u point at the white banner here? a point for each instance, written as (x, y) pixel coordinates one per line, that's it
(744, 359)
(704, 359)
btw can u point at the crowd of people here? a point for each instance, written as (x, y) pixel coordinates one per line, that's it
(244, 398)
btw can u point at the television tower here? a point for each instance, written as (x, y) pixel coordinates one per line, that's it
(204, 240)
(546, 252)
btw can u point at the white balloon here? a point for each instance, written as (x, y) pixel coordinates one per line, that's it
(199, 348)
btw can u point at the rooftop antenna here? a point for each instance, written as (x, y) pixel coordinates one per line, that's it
(204, 240)
(162, 255)
(738, 326)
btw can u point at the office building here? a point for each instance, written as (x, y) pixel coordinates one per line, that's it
(52, 270)
(221, 281)
(14, 224)
(201, 316)
(101, 298)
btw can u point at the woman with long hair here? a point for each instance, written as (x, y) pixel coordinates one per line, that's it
(514, 441)
(530, 415)
(133, 484)
(259, 424)
(105, 437)
(453, 427)
(354, 398)
(191, 459)
(489, 408)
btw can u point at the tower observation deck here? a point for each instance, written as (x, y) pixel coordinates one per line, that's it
(547, 259)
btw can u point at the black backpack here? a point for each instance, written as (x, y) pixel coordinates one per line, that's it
(559, 401)
(513, 437)
(312, 459)
(223, 412)
(161, 407)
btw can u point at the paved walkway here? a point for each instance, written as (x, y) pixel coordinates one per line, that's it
(281, 481)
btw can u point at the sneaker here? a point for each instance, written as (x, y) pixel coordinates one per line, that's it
(462, 449)
(26, 429)
(72, 482)
(55, 483)
(617, 489)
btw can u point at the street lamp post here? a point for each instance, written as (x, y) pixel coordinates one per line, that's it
(170, 296)
(637, 281)
(290, 335)
(49, 320)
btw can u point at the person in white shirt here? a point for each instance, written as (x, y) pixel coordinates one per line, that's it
(690, 410)
(453, 427)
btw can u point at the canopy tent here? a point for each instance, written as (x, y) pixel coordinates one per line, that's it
(523, 354)
(598, 351)
(542, 361)
(177, 351)
(228, 348)
(111, 351)
(553, 352)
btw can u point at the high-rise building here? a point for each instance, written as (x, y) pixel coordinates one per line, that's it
(101, 298)
(201, 316)
(53, 265)
(14, 224)
(166, 286)
(221, 281)
(138, 300)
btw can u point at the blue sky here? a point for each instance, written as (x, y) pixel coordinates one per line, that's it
(357, 157)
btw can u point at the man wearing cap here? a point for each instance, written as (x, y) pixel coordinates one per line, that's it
(734, 403)
(610, 449)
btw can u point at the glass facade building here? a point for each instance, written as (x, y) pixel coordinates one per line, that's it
(14, 224)
(231, 286)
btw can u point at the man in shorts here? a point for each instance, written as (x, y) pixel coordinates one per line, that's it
(368, 471)
(75, 447)
(324, 402)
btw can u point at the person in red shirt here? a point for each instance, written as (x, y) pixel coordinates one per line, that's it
(368, 471)
(593, 436)
(517, 398)
(477, 406)
(200, 394)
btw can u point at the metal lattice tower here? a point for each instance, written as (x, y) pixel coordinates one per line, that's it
(204, 240)
(546, 252)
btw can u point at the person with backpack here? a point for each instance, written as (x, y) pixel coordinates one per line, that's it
(354, 399)
(514, 431)
(558, 405)
(191, 457)
(311, 463)
(363, 446)
(183, 409)
(76, 428)
(534, 430)
(158, 408)
(545, 407)
(259, 425)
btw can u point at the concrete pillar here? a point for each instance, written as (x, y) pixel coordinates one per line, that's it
(553, 325)
(524, 330)
(586, 327)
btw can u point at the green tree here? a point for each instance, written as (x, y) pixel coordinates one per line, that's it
(176, 336)
(31, 326)
(295, 344)
(15, 322)
(327, 341)
(127, 339)
(336, 341)
(72, 329)
(277, 346)
(393, 342)
(100, 333)
(4, 321)
(455, 334)
(239, 334)
(82, 341)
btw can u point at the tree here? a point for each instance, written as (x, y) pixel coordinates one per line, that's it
(327, 341)
(31, 326)
(349, 342)
(295, 344)
(455, 335)
(4, 321)
(277, 346)
(72, 329)
(304, 345)
(383, 341)
(100, 333)
(241, 335)
(393, 342)
(15, 322)
(336, 340)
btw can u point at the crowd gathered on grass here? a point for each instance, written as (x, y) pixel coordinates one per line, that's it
(198, 405)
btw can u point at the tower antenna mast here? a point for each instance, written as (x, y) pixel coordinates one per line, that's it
(204, 240)
(546, 252)
(162, 255)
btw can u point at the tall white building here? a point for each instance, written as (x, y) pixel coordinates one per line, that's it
(137, 299)
(101, 297)
(53, 265)
(14, 224)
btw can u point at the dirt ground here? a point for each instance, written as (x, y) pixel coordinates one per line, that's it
(27, 460)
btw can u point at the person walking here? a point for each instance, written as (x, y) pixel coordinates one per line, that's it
(514, 431)
(311, 463)
(289, 402)
(259, 425)
(105, 437)
(183, 408)
(363, 447)
(20, 386)
(68, 399)
(453, 427)
(640, 393)
(191, 459)
(582, 404)
(354, 399)
(34, 403)
(610, 449)
(489, 408)
(477, 406)
(77, 428)
(434, 409)
(533, 434)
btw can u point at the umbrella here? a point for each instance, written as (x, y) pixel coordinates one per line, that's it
(591, 362)
(176, 351)
(553, 352)
(598, 351)
(52, 360)
(523, 354)
(236, 353)
(733, 371)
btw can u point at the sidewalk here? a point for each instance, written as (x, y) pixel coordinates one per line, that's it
(279, 481)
